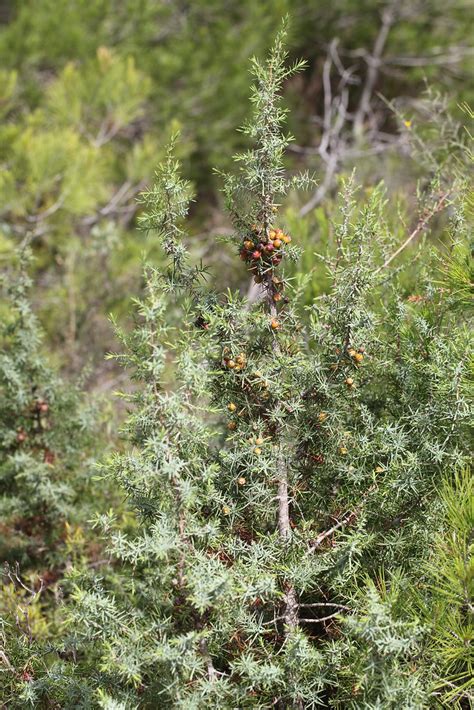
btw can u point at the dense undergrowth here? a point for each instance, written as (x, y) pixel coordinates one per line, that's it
(284, 517)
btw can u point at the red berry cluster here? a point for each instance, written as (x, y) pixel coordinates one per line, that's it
(263, 249)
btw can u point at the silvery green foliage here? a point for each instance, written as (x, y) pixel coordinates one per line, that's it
(360, 408)
(45, 444)
(384, 644)
(46, 450)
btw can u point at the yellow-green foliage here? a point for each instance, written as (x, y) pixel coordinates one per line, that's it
(449, 613)
(21, 608)
(58, 164)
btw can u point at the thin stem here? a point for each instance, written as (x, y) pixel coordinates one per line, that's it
(374, 61)
(423, 222)
(325, 604)
(346, 518)
(283, 513)
(318, 621)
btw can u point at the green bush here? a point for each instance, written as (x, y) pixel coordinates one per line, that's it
(281, 470)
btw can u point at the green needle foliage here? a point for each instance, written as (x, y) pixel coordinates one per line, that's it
(275, 466)
(448, 608)
(46, 449)
(45, 435)
(90, 91)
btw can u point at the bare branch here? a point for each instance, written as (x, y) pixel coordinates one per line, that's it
(318, 621)
(423, 222)
(117, 204)
(453, 56)
(346, 518)
(40, 216)
(5, 660)
(326, 604)
(373, 61)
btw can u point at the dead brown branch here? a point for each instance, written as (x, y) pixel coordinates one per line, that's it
(440, 204)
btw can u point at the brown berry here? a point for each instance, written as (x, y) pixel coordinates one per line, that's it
(269, 247)
(275, 324)
(231, 426)
(249, 245)
(349, 381)
(231, 407)
(358, 357)
(241, 481)
(42, 405)
(322, 416)
(49, 456)
(226, 510)
(230, 364)
(277, 297)
(277, 243)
